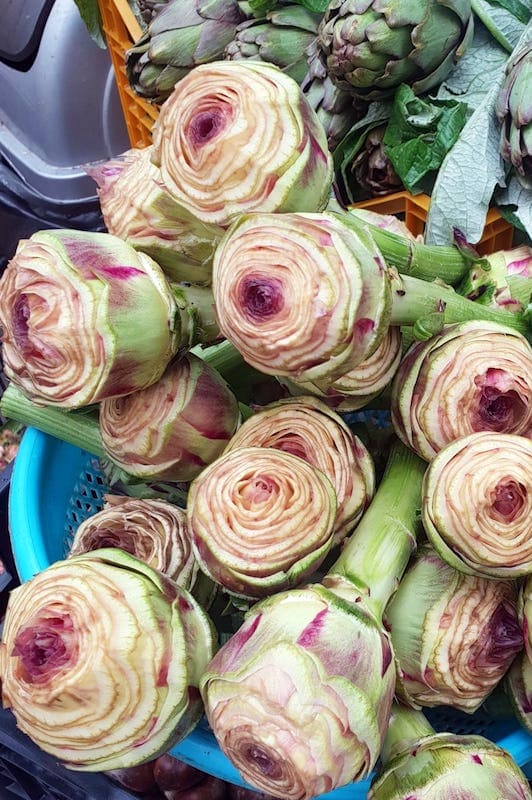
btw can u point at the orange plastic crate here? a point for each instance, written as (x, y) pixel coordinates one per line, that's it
(122, 30)
(413, 210)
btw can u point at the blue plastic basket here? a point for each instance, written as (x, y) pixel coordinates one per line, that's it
(55, 486)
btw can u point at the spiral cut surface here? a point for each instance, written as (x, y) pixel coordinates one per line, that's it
(477, 504)
(240, 136)
(473, 376)
(154, 531)
(261, 520)
(100, 660)
(307, 428)
(72, 334)
(172, 429)
(300, 295)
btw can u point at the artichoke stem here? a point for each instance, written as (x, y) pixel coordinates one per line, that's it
(377, 552)
(406, 727)
(427, 262)
(77, 427)
(414, 298)
(486, 20)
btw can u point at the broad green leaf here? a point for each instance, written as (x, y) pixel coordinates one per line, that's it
(90, 14)
(515, 203)
(504, 26)
(470, 172)
(520, 10)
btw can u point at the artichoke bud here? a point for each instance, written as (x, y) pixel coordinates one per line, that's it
(454, 635)
(371, 170)
(183, 34)
(515, 115)
(370, 48)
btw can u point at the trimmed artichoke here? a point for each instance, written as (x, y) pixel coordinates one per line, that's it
(420, 764)
(135, 208)
(477, 504)
(73, 333)
(370, 47)
(240, 136)
(307, 428)
(473, 376)
(173, 428)
(262, 520)
(454, 636)
(100, 660)
(181, 35)
(281, 38)
(301, 295)
(152, 530)
(514, 110)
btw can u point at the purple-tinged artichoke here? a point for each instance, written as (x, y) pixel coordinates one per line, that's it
(371, 171)
(85, 317)
(514, 110)
(281, 37)
(501, 280)
(360, 385)
(100, 660)
(477, 504)
(473, 376)
(137, 209)
(240, 136)
(300, 295)
(420, 764)
(370, 47)
(152, 530)
(518, 681)
(306, 427)
(299, 697)
(262, 520)
(176, 426)
(181, 35)
(454, 635)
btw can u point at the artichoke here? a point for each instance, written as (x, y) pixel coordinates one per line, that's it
(240, 136)
(477, 504)
(262, 520)
(152, 530)
(307, 428)
(371, 171)
(454, 635)
(420, 764)
(370, 47)
(136, 208)
(100, 660)
(514, 110)
(281, 38)
(173, 428)
(181, 35)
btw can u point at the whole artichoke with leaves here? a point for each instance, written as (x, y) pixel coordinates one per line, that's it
(370, 47)
(281, 37)
(181, 35)
(514, 109)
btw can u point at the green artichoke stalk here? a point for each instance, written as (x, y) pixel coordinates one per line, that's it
(454, 635)
(309, 296)
(420, 763)
(172, 429)
(86, 317)
(281, 38)
(477, 504)
(181, 35)
(308, 428)
(100, 660)
(370, 47)
(135, 208)
(154, 531)
(472, 376)
(514, 110)
(240, 136)
(299, 697)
